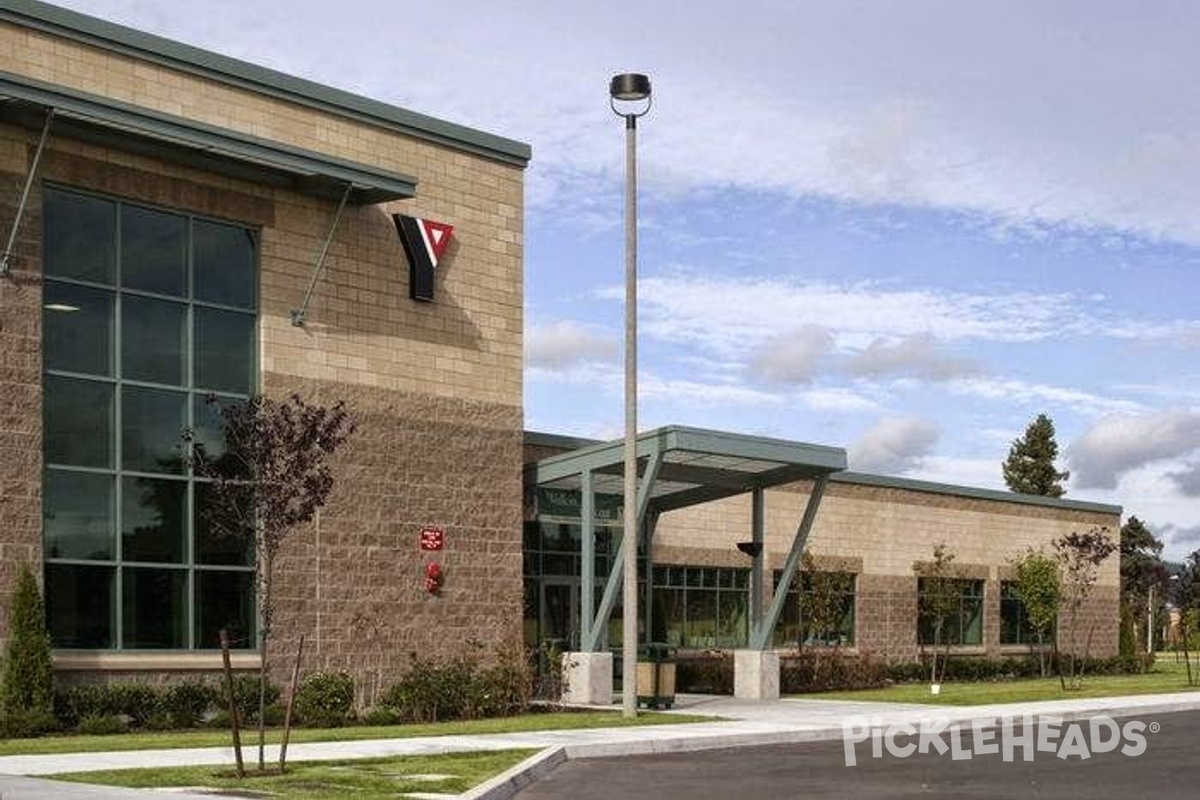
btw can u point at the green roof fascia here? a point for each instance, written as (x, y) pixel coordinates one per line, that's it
(111, 122)
(813, 459)
(245, 75)
(931, 487)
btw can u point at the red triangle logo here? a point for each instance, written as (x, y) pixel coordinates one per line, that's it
(437, 236)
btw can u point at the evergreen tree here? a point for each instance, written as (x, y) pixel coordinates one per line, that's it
(1142, 576)
(1029, 468)
(28, 687)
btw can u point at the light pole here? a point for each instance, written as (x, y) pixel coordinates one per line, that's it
(629, 97)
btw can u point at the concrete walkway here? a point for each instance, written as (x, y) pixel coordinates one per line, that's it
(746, 723)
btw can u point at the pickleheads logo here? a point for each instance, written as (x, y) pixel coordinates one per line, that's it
(991, 736)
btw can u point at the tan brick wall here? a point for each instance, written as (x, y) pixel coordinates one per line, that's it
(435, 387)
(364, 327)
(20, 392)
(352, 582)
(890, 530)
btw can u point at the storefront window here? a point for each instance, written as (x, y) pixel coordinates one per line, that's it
(145, 312)
(954, 604)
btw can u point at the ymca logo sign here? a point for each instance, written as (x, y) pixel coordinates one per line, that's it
(424, 242)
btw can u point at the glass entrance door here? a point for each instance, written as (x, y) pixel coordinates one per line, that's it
(560, 614)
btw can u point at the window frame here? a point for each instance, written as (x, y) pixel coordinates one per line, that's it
(190, 564)
(970, 606)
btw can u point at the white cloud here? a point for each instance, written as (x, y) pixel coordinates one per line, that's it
(1119, 443)
(1012, 390)
(1187, 480)
(561, 345)
(793, 357)
(916, 355)
(894, 445)
(836, 399)
(919, 103)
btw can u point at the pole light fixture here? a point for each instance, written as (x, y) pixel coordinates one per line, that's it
(629, 97)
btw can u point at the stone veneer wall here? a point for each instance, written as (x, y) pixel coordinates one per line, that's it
(436, 388)
(891, 529)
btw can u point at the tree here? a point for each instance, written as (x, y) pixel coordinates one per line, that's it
(1142, 575)
(1040, 590)
(1080, 555)
(1186, 595)
(1029, 468)
(822, 602)
(28, 687)
(271, 475)
(940, 601)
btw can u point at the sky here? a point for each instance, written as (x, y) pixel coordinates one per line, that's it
(905, 229)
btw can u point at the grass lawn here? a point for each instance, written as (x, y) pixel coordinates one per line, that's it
(363, 779)
(543, 721)
(1168, 676)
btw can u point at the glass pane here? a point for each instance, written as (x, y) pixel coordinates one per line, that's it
(152, 520)
(152, 340)
(668, 616)
(225, 600)
(701, 618)
(152, 421)
(224, 350)
(79, 239)
(153, 248)
(208, 424)
(220, 543)
(223, 264)
(78, 511)
(733, 618)
(78, 328)
(153, 611)
(78, 418)
(79, 605)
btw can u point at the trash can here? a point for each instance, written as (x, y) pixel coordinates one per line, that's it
(656, 676)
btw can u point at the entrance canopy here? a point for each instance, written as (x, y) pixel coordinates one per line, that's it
(693, 466)
(680, 467)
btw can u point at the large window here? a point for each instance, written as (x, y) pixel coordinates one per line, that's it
(700, 606)
(955, 605)
(145, 313)
(1014, 620)
(819, 610)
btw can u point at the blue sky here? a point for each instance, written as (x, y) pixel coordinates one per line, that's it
(901, 228)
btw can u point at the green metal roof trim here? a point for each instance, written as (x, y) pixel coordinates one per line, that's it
(862, 479)
(909, 484)
(697, 466)
(112, 123)
(232, 71)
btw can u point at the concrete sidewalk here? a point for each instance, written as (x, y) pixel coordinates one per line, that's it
(746, 723)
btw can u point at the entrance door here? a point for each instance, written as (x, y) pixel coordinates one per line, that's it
(560, 614)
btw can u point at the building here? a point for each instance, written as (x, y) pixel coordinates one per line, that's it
(176, 217)
(187, 224)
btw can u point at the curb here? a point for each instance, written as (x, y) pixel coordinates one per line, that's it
(508, 783)
(517, 777)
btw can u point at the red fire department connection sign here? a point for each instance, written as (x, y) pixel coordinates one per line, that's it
(432, 538)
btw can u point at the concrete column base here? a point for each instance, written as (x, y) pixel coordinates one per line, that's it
(755, 675)
(587, 678)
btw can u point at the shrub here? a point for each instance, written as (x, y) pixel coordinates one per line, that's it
(325, 699)
(821, 670)
(135, 701)
(73, 703)
(460, 689)
(28, 685)
(102, 725)
(380, 716)
(708, 673)
(185, 704)
(27, 724)
(245, 696)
